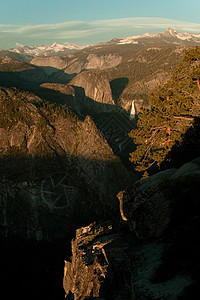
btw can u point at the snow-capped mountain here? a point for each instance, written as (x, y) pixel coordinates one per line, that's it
(168, 37)
(45, 50)
(168, 33)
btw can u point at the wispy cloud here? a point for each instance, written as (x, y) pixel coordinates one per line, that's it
(88, 32)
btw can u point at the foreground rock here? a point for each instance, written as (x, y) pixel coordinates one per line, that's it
(166, 208)
(99, 267)
(169, 197)
(160, 251)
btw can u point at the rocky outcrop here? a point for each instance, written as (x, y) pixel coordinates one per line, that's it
(160, 198)
(75, 67)
(159, 251)
(113, 122)
(106, 61)
(96, 85)
(20, 74)
(97, 256)
(166, 208)
(8, 64)
(50, 61)
(72, 64)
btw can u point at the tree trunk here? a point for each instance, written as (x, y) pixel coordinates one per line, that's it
(198, 83)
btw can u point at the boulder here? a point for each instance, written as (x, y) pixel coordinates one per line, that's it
(153, 204)
(99, 267)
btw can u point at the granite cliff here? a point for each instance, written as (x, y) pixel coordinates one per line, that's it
(95, 84)
(75, 63)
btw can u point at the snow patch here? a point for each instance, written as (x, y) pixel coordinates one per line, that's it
(45, 50)
(169, 32)
(132, 39)
(128, 40)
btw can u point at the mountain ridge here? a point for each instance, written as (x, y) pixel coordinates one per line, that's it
(46, 50)
(169, 33)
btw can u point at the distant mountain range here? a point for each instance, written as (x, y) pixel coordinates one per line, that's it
(133, 66)
(168, 36)
(45, 50)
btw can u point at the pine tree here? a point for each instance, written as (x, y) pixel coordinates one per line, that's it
(173, 109)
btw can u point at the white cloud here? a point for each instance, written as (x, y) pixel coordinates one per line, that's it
(88, 32)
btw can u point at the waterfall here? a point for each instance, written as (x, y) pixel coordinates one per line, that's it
(133, 111)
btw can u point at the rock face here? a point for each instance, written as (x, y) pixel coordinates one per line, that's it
(160, 197)
(96, 85)
(18, 73)
(76, 67)
(72, 64)
(56, 164)
(160, 252)
(95, 256)
(106, 61)
(50, 61)
(92, 61)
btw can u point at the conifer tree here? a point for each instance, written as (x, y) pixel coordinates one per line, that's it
(173, 109)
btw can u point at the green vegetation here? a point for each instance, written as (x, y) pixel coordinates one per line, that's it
(20, 107)
(12, 111)
(143, 67)
(174, 107)
(51, 111)
(21, 111)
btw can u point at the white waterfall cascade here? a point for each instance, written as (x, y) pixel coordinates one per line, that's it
(133, 111)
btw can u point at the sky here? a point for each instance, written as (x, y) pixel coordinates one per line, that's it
(42, 22)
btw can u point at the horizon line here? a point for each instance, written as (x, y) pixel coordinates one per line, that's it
(92, 32)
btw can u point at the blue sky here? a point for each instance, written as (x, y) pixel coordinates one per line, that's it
(90, 21)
